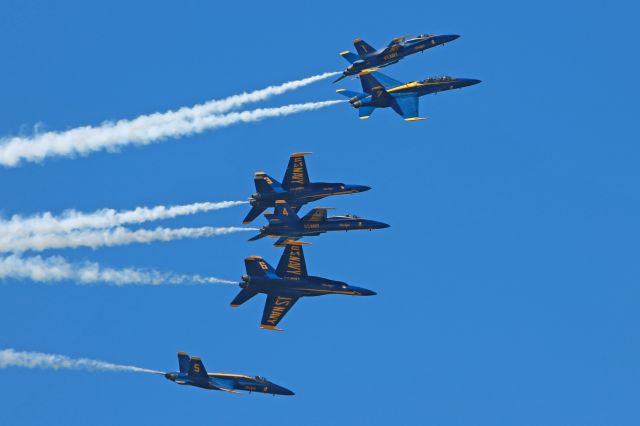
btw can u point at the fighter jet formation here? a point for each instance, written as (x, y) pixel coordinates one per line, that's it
(289, 281)
(382, 91)
(369, 59)
(296, 188)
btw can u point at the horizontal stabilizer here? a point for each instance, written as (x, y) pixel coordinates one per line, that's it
(365, 112)
(242, 297)
(257, 237)
(349, 56)
(253, 213)
(350, 93)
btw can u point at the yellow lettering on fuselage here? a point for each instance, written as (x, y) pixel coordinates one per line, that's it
(311, 225)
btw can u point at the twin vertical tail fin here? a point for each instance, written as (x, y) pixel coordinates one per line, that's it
(257, 266)
(265, 183)
(183, 362)
(196, 368)
(283, 214)
(363, 47)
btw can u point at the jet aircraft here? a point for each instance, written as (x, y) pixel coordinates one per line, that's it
(295, 188)
(286, 284)
(285, 224)
(193, 373)
(382, 91)
(369, 58)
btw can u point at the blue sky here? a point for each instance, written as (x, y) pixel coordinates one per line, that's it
(507, 284)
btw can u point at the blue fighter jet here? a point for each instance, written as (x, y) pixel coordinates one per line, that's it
(285, 224)
(286, 284)
(382, 91)
(295, 188)
(369, 59)
(193, 373)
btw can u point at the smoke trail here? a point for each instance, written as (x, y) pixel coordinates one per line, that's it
(141, 130)
(108, 238)
(12, 358)
(56, 269)
(70, 220)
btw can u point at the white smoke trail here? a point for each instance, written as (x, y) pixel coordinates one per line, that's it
(56, 269)
(108, 238)
(142, 130)
(70, 220)
(12, 358)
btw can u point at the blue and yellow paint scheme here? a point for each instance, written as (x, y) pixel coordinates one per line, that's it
(193, 373)
(285, 224)
(382, 91)
(296, 188)
(369, 58)
(286, 284)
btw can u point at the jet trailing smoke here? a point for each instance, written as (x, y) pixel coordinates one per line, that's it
(56, 269)
(152, 128)
(108, 238)
(11, 358)
(71, 220)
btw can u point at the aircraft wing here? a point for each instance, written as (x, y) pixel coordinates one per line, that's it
(375, 78)
(292, 265)
(296, 174)
(275, 309)
(223, 384)
(282, 240)
(407, 106)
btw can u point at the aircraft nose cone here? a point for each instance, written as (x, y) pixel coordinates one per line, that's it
(280, 390)
(470, 81)
(446, 38)
(382, 225)
(361, 188)
(364, 292)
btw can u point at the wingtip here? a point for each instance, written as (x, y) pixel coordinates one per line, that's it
(270, 327)
(415, 119)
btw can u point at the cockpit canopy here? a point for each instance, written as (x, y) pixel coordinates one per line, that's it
(261, 379)
(348, 216)
(439, 79)
(421, 37)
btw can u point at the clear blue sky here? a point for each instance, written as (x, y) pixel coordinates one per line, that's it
(507, 285)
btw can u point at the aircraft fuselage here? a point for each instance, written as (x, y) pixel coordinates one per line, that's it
(302, 287)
